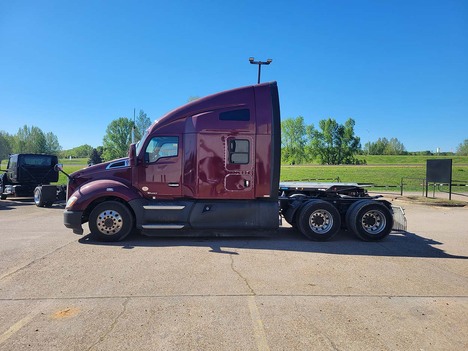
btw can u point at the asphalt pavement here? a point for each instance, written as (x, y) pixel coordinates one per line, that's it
(276, 291)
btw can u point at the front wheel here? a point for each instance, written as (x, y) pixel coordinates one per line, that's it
(110, 221)
(369, 220)
(319, 220)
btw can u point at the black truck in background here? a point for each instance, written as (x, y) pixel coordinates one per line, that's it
(30, 175)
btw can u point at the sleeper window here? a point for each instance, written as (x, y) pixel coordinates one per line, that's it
(235, 115)
(239, 150)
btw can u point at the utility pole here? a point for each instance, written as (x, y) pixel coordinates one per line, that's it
(259, 63)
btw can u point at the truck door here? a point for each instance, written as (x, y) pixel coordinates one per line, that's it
(159, 175)
(239, 179)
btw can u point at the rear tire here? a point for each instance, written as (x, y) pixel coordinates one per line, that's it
(369, 220)
(42, 197)
(293, 220)
(38, 198)
(2, 187)
(110, 221)
(319, 220)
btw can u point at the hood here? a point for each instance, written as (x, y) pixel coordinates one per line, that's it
(118, 170)
(102, 167)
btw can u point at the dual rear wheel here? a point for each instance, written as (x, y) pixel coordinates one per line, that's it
(369, 220)
(318, 220)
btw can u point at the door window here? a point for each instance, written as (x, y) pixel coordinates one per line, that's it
(161, 147)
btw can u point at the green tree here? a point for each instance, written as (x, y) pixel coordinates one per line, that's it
(37, 141)
(376, 148)
(52, 145)
(83, 151)
(29, 140)
(100, 150)
(334, 143)
(117, 139)
(462, 148)
(293, 140)
(95, 157)
(383, 146)
(21, 139)
(6, 142)
(395, 147)
(142, 123)
(34, 140)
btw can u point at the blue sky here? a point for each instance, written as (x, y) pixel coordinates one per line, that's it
(398, 68)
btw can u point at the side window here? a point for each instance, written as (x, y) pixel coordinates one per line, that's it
(160, 147)
(235, 115)
(239, 151)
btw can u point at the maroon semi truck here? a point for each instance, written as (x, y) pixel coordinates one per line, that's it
(214, 165)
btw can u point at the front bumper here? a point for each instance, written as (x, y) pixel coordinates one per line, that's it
(73, 220)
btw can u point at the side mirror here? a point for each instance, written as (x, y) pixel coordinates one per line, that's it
(59, 168)
(132, 155)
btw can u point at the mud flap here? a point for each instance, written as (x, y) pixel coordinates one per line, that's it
(399, 219)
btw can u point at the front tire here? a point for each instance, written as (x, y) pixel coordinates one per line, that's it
(111, 221)
(319, 220)
(369, 220)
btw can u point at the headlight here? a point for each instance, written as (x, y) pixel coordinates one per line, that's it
(71, 201)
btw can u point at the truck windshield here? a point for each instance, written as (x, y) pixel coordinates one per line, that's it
(139, 145)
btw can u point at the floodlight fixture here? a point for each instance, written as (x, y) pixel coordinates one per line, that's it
(259, 63)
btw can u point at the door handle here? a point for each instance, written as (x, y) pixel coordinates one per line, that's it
(173, 185)
(246, 183)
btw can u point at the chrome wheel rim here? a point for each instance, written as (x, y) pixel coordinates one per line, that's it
(374, 222)
(321, 221)
(36, 197)
(109, 222)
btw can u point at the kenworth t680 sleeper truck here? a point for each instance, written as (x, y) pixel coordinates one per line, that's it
(214, 165)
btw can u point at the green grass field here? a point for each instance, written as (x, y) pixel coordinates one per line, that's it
(380, 170)
(408, 159)
(388, 176)
(386, 172)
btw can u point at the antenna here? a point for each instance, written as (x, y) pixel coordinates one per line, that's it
(133, 127)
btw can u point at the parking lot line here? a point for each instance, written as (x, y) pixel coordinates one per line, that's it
(22, 322)
(258, 329)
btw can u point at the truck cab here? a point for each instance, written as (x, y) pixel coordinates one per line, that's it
(214, 165)
(25, 172)
(211, 164)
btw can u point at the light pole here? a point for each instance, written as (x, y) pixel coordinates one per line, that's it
(259, 63)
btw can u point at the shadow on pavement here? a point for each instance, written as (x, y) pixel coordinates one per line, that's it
(11, 204)
(287, 239)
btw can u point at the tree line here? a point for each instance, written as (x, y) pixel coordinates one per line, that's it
(28, 140)
(116, 140)
(331, 143)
